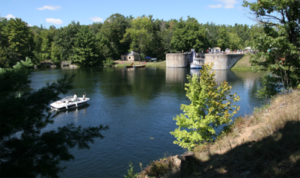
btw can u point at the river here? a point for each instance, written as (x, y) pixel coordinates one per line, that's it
(139, 107)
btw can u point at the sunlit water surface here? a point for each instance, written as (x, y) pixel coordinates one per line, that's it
(139, 107)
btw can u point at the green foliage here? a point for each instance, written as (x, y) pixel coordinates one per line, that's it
(95, 27)
(279, 45)
(16, 42)
(108, 62)
(189, 35)
(140, 35)
(234, 41)
(65, 39)
(46, 45)
(223, 41)
(26, 150)
(130, 173)
(84, 47)
(116, 36)
(110, 34)
(16, 78)
(211, 106)
(270, 87)
(55, 55)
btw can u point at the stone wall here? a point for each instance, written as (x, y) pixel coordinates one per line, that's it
(177, 60)
(222, 61)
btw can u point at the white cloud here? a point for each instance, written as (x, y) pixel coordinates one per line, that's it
(227, 4)
(10, 16)
(215, 6)
(54, 21)
(52, 8)
(96, 19)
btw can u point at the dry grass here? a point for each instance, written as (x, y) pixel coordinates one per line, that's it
(159, 168)
(265, 144)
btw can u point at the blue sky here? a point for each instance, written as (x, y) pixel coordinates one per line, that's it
(62, 12)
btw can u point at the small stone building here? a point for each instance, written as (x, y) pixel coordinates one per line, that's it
(132, 56)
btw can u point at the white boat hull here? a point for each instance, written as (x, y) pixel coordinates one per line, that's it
(195, 66)
(65, 104)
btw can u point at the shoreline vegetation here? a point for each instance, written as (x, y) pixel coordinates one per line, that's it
(264, 144)
(120, 63)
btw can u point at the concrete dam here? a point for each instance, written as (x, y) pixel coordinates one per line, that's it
(220, 61)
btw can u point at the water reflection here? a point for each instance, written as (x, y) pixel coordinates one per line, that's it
(73, 113)
(140, 82)
(136, 104)
(176, 75)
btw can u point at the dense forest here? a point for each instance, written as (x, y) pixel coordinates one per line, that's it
(91, 44)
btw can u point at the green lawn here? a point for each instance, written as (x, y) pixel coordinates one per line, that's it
(243, 64)
(148, 64)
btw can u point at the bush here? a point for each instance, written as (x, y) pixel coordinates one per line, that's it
(211, 106)
(108, 62)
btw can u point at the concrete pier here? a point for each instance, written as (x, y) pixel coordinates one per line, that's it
(222, 61)
(177, 60)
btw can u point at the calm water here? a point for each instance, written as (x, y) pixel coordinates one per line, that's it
(138, 106)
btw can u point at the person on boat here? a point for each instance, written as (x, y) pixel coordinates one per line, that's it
(75, 97)
(83, 96)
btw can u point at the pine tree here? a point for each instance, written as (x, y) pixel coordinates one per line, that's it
(19, 38)
(211, 106)
(85, 47)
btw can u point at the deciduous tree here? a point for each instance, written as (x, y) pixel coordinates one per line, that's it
(279, 46)
(140, 35)
(189, 35)
(110, 34)
(211, 106)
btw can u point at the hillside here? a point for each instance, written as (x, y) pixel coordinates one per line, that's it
(243, 64)
(265, 144)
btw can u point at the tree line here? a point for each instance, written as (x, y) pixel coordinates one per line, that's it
(88, 45)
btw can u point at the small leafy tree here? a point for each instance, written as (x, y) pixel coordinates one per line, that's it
(211, 106)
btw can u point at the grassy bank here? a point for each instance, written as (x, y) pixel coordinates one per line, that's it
(243, 64)
(265, 144)
(148, 64)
